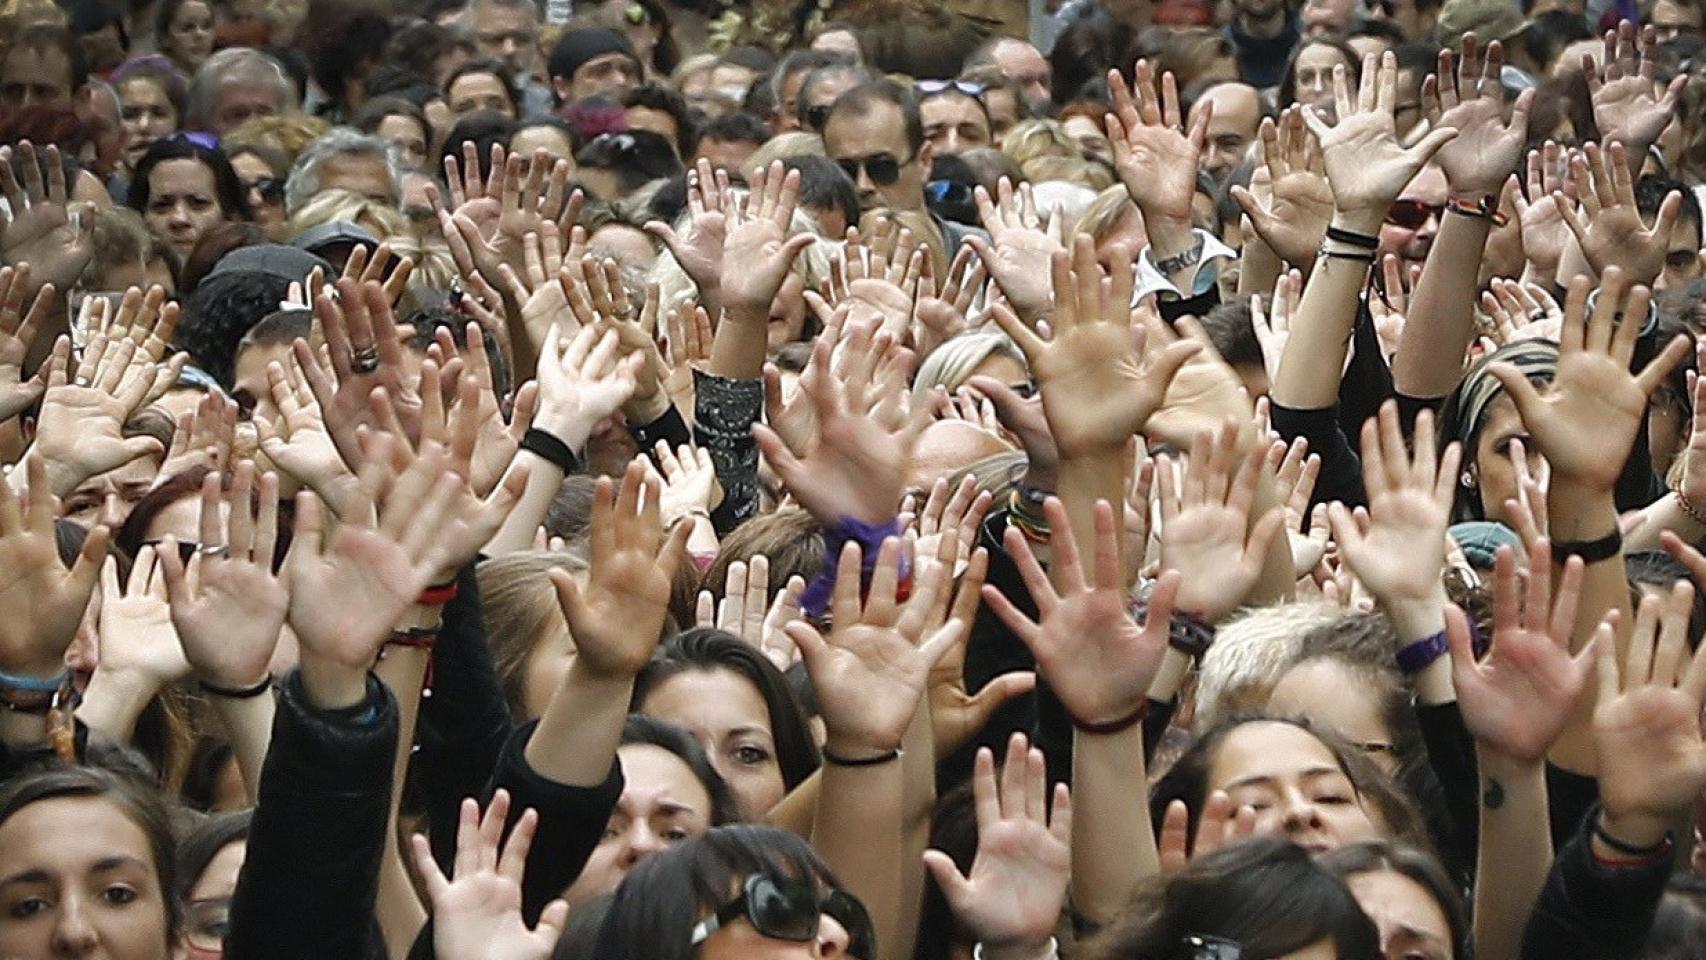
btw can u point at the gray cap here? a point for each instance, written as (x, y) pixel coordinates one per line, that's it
(334, 232)
(273, 259)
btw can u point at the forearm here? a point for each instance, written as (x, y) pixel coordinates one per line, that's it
(114, 701)
(1113, 844)
(858, 831)
(1585, 513)
(1321, 328)
(544, 479)
(1441, 320)
(1169, 236)
(796, 811)
(1083, 481)
(398, 908)
(1663, 514)
(1258, 267)
(918, 803)
(248, 725)
(1415, 619)
(737, 350)
(1514, 854)
(1278, 579)
(577, 736)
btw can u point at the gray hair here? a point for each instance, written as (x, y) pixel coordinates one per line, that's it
(304, 181)
(234, 66)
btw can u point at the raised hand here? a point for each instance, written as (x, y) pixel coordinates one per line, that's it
(1646, 722)
(1366, 165)
(1521, 311)
(1023, 417)
(495, 441)
(1466, 96)
(758, 250)
(41, 602)
(1397, 556)
(940, 313)
(956, 715)
(1273, 324)
(1541, 217)
(1013, 895)
(871, 671)
(79, 432)
(18, 330)
(689, 481)
(700, 252)
(1293, 216)
(477, 915)
(38, 228)
(366, 353)
(297, 441)
(1219, 825)
(1518, 698)
(348, 591)
(1088, 648)
(581, 381)
(1609, 226)
(138, 641)
(1019, 248)
(204, 437)
(1206, 531)
(1628, 106)
(877, 279)
(1154, 154)
(229, 605)
(1586, 423)
(616, 617)
(1098, 386)
(858, 466)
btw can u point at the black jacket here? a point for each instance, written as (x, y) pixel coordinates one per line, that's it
(1589, 911)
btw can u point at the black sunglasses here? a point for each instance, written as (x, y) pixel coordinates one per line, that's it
(882, 168)
(1412, 214)
(271, 189)
(785, 909)
(1201, 947)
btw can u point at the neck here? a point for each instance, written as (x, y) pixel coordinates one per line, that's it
(1266, 27)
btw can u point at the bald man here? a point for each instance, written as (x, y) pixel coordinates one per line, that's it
(1231, 129)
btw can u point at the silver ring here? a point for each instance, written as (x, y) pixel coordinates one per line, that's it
(214, 550)
(82, 381)
(1538, 313)
(365, 360)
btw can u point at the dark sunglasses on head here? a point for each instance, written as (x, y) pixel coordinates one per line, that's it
(1202, 947)
(1412, 214)
(930, 88)
(270, 189)
(817, 116)
(882, 168)
(786, 909)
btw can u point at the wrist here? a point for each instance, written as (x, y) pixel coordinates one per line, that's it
(1631, 829)
(568, 426)
(641, 410)
(1416, 618)
(1028, 949)
(331, 685)
(1360, 219)
(853, 747)
(1168, 235)
(1496, 764)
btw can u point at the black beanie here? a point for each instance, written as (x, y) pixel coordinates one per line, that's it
(576, 47)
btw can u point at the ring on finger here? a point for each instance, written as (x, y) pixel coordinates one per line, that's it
(214, 550)
(365, 359)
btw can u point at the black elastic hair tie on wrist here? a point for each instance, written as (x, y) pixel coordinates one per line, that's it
(539, 442)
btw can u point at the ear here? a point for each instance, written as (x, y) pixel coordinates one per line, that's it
(561, 87)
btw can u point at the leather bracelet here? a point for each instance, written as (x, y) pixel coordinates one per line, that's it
(1591, 551)
(236, 693)
(1629, 849)
(1367, 241)
(1189, 634)
(876, 761)
(438, 595)
(537, 441)
(1421, 655)
(1113, 726)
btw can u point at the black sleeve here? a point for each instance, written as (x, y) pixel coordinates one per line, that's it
(1590, 911)
(1341, 468)
(311, 875)
(463, 724)
(1570, 797)
(670, 428)
(571, 821)
(1172, 308)
(723, 414)
(1367, 381)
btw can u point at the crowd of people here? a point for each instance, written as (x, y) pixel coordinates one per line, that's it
(651, 479)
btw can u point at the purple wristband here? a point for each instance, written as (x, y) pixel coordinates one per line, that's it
(869, 536)
(1420, 655)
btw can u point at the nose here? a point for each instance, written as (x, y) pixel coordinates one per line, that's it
(1429, 229)
(1300, 815)
(865, 183)
(643, 841)
(832, 938)
(73, 934)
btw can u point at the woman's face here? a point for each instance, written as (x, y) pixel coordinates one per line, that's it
(1333, 697)
(1003, 368)
(189, 37)
(406, 133)
(78, 879)
(740, 940)
(1294, 783)
(1127, 231)
(1412, 925)
(147, 113)
(662, 804)
(209, 908)
(1494, 471)
(183, 202)
(1314, 75)
(725, 713)
(1089, 137)
(540, 136)
(266, 204)
(181, 519)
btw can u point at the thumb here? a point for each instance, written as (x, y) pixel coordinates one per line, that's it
(1430, 144)
(955, 888)
(997, 692)
(553, 919)
(664, 232)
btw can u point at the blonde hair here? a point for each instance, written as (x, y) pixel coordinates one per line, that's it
(795, 143)
(434, 267)
(1251, 653)
(337, 204)
(1105, 213)
(950, 364)
(289, 133)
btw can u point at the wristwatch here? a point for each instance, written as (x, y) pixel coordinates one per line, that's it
(1189, 257)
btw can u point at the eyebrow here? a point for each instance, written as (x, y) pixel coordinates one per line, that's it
(1264, 778)
(749, 730)
(104, 865)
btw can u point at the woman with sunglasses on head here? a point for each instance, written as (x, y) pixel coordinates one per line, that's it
(263, 171)
(183, 186)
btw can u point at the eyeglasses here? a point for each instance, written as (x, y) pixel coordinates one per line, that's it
(1412, 214)
(1202, 947)
(786, 909)
(817, 116)
(931, 88)
(208, 922)
(882, 168)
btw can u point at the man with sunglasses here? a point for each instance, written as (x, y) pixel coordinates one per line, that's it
(1413, 220)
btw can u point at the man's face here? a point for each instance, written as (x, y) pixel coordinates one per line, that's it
(871, 148)
(823, 95)
(1412, 20)
(1024, 65)
(1407, 112)
(725, 154)
(1671, 20)
(510, 34)
(1682, 259)
(787, 110)
(607, 74)
(660, 122)
(954, 123)
(1327, 16)
(1231, 128)
(1414, 218)
(236, 103)
(478, 91)
(35, 77)
(98, 109)
(366, 174)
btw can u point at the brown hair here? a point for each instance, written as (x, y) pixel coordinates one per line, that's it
(790, 537)
(518, 604)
